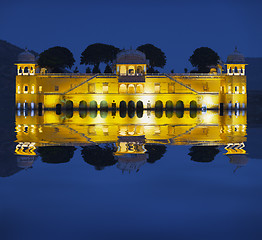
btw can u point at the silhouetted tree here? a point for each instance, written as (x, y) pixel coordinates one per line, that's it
(155, 152)
(97, 53)
(185, 70)
(99, 156)
(172, 70)
(96, 69)
(203, 153)
(203, 58)
(108, 69)
(88, 70)
(56, 59)
(155, 55)
(56, 154)
(76, 70)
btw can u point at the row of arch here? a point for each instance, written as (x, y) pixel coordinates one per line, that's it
(128, 113)
(130, 105)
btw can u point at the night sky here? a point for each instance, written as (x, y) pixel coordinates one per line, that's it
(177, 27)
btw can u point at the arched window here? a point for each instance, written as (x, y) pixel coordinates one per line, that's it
(139, 70)
(139, 88)
(122, 88)
(103, 105)
(33, 89)
(131, 89)
(25, 88)
(69, 105)
(180, 105)
(26, 70)
(18, 89)
(122, 105)
(169, 105)
(193, 105)
(159, 105)
(93, 105)
(83, 105)
(131, 70)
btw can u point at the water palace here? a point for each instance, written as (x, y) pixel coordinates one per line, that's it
(130, 86)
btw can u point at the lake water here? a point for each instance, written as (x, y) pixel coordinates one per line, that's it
(149, 175)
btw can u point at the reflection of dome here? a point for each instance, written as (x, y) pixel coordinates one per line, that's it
(25, 161)
(26, 57)
(238, 159)
(236, 57)
(131, 56)
(131, 162)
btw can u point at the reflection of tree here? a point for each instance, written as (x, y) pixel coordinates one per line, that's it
(99, 156)
(155, 152)
(56, 154)
(203, 153)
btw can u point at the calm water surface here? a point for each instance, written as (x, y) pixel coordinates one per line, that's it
(155, 175)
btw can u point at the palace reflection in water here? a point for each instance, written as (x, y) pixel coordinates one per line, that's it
(128, 139)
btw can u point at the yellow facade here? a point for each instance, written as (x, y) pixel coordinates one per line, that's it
(131, 82)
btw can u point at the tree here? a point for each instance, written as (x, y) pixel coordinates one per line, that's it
(155, 55)
(203, 153)
(203, 58)
(99, 156)
(155, 152)
(76, 70)
(185, 70)
(97, 53)
(96, 69)
(56, 154)
(108, 69)
(88, 70)
(56, 59)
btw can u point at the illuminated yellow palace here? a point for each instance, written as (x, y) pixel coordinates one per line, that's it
(131, 86)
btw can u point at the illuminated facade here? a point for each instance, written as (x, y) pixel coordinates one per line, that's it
(130, 86)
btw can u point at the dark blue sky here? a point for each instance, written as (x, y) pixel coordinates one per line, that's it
(177, 27)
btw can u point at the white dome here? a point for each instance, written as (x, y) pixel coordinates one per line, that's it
(131, 56)
(236, 57)
(26, 57)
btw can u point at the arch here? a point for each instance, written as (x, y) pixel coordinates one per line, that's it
(139, 88)
(20, 71)
(26, 88)
(33, 89)
(122, 70)
(131, 105)
(82, 113)
(18, 89)
(179, 113)
(131, 70)
(169, 113)
(131, 113)
(193, 105)
(58, 109)
(169, 105)
(180, 105)
(193, 113)
(26, 71)
(83, 105)
(139, 105)
(235, 70)
(93, 105)
(69, 104)
(139, 109)
(158, 113)
(131, 89)
(122, 112)
(103, 113)
(122, 105)
(93, 113)
(159, 105)
(123, 88)
(103, 105)
(69, 113)
(139, 70)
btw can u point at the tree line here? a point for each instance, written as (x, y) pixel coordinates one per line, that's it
(57, 59)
